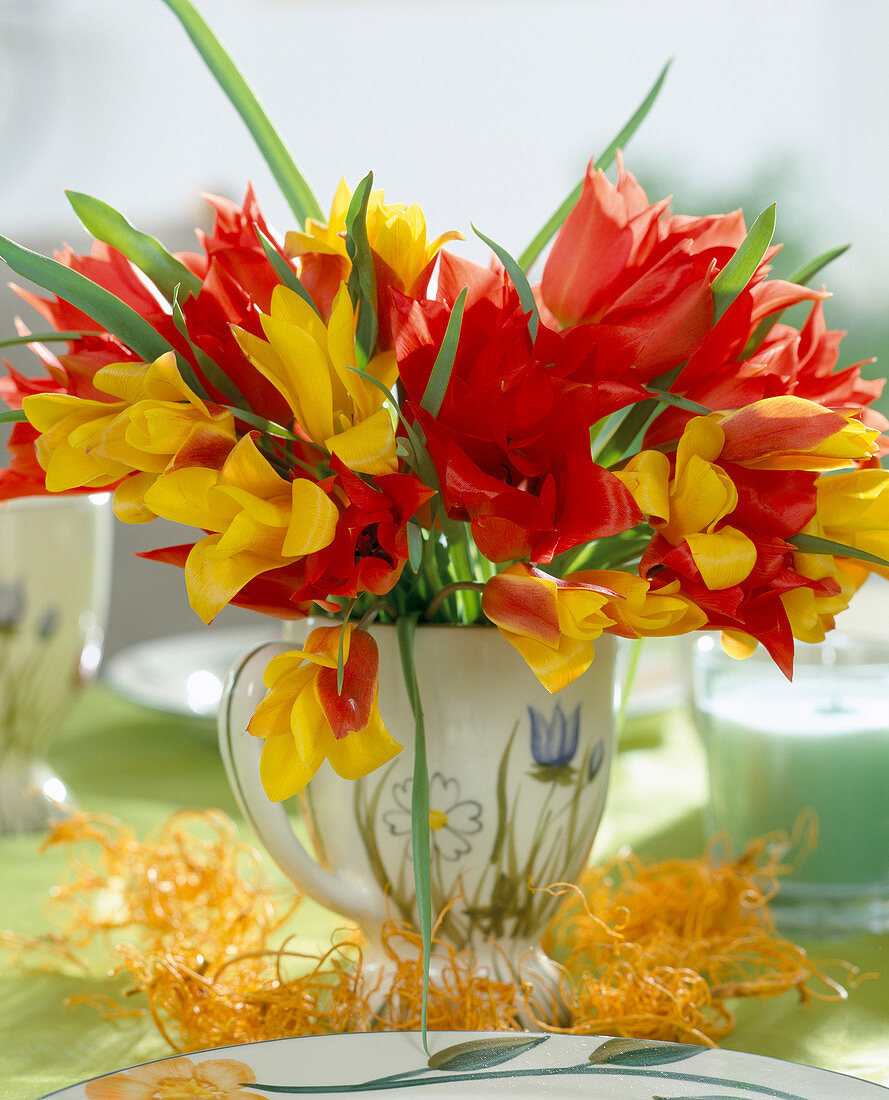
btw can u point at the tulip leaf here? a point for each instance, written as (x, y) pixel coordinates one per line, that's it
(101, 305)
(483, 1053)
(267, 427)
(406, 627)
(738, 272)
(440, 375)
(519, 281)
(283, 269)
(12, 416)
(148, 254)
(341, 648)
(813, 544)
(293, 186)
(47, 337)
(802, 276)
(604, 161)
(679, 402)
(185, 368)
(414, 546)
(362, 278)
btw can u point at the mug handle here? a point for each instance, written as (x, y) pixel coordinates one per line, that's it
(240, 752)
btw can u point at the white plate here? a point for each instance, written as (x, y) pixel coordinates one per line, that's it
(183, 674)
(474, 1064)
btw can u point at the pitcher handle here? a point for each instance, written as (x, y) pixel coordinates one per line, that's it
(240, 752)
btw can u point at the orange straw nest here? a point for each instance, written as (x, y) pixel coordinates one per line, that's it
(647, 950)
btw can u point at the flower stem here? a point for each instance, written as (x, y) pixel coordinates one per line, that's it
(448, 590)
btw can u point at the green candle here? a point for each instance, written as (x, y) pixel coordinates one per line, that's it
(776, 748)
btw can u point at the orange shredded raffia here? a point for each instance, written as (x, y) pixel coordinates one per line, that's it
(648, 950)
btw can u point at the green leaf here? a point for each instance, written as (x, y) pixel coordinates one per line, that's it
(293, 186)
(440, 376)
(93, 300)
(267, 427)
(802, 276)
(47, 337)
(414, 546)
(406, 627)
(738, 272)
(641, 1052)
(519, 281)
(105, 224)
(12, 416)
(283, 269)
(484, 1053)
(679, 402)
(185, 368)
(362, 278)
(604, 161)
(812, 544)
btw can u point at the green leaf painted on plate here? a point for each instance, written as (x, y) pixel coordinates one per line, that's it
(639, 1052)
(146, 252)
(483, 1053)
(738, 272)
(293, 186)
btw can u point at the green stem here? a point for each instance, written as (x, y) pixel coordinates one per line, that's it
(420, 845)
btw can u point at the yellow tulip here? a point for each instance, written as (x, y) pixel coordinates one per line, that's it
(311, 364)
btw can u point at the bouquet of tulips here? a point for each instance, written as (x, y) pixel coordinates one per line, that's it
(636, 444)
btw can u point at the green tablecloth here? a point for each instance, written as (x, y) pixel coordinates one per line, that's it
(141, 766)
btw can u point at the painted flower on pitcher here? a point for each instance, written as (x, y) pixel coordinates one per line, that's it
(554, 744)
(451, 819)
(177, 1079)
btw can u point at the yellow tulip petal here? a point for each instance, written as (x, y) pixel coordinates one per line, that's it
(289, 307)
(125, 381)
(282, 771)
(724, 558)
(183, 496)
(647, 477)
(311, 731)
(247, 469)
(556, 667)
(307, 373)
(129, 499)
(738, 644)
(313, 519)
(363, 751)
(368, 447)
(213, 579)
(244, 534)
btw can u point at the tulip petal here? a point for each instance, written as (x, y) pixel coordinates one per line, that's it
(282, 771)
(313, 519)
(361, 752)
(368, 447)
(725, 557)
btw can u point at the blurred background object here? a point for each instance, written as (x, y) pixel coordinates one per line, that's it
(55, 579)
(477, 109)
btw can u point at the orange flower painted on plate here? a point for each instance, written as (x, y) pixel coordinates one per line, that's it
(177, 1079)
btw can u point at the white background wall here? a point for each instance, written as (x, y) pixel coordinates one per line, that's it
(478, 109)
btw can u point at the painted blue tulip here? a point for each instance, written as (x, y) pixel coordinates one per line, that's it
(554, 743)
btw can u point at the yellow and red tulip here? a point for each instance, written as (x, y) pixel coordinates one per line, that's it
(305, 720)
(551, 622)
